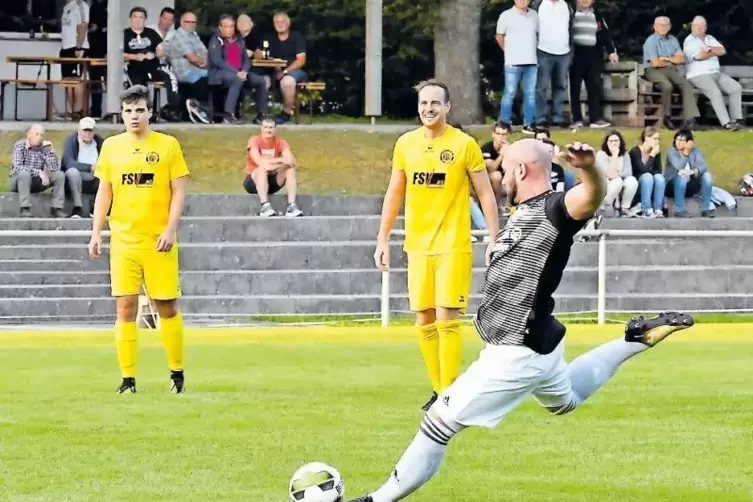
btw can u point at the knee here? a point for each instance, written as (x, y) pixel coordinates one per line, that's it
(127, 308)
(24, 175)
(706, 178)
(287, 83)
(646, 178)
(630, 182)
(72, 174)
(57, 177)
(167, 308)
(664, 86)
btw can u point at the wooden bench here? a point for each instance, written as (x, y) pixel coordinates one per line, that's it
(26, 84)
(309, 92)
(651, 111)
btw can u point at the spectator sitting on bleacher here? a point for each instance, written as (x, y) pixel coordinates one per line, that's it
(687, 174)
(229, 66)
(188, 59)
(290, 46)
(614, 161)
(34, 168)
(140, 51)
(270, 165)
(702, 52)
(662, 56)
(557, 174)
(80, 154)
(493, 152)
(645, 158)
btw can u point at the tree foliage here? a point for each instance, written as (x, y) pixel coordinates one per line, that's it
(335, 35)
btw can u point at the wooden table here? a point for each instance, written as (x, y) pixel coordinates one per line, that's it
(46, 62)
(269, 63)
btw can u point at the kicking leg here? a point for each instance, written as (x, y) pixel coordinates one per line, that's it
(491, 387)
(572, 385)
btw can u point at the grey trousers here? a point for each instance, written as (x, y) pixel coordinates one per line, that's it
(26, 184)
(80, 183)
(713, 85)
(254, 82)
(669, 78)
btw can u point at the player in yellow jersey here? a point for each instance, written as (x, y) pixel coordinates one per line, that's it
(142, 174)
(433, 167)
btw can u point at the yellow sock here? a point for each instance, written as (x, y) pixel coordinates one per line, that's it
(450, 351)
(171, 332)
(126, 339)
(429, 341)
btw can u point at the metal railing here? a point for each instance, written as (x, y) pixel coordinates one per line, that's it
(601, 264)
(602, 235)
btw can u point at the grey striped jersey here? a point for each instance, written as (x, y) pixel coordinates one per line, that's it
(528, 259)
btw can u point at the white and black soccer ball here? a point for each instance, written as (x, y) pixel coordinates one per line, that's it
(317, 482)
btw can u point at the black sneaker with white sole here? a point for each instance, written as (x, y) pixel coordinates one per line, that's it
(655, 329)
(196, 113)
(128, 384)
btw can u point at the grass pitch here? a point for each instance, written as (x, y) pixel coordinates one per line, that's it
(674, 424)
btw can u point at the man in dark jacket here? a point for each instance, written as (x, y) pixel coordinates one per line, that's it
(80, 155)
(229, 66)
(591, 39)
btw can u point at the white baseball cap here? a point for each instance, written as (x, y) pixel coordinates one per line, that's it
(86, 123)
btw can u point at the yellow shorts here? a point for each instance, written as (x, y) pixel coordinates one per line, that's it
(129, 268)
(442, 280)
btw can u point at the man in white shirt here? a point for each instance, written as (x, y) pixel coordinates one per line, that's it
(517, 31)
(74, 26)
(555, 20)
(702, 52)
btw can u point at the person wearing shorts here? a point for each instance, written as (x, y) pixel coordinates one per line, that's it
(270, 165)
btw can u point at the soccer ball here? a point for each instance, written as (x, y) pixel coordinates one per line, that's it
(317, 482)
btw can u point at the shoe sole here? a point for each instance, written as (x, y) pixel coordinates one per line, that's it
(653, 331)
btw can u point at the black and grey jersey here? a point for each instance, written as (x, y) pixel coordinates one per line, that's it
(528, 259)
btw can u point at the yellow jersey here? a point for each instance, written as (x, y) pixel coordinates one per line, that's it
(438, 190)
(140, 173)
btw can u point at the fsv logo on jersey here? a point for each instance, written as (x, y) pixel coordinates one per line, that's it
(431, 180)
(138, 179)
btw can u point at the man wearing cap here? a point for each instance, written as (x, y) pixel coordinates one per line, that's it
(80, 155)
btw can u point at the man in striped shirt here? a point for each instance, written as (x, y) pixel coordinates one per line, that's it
(524, 351)
(591, 39)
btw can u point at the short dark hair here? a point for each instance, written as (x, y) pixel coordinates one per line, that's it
(226, 17)
(647, 132)
(542, 130)
(280, 13)
(434, 83)
(605, 146)
(134, 94)
(501, 125)
(547, 141)
(685, 133)
(167, 10)
(138, 9)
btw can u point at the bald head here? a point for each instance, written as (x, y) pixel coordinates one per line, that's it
(244, 24)
(35, 134)
(526, 164)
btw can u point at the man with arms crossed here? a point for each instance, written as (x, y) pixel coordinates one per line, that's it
(143, 174)
(431, 167)
(524, 351)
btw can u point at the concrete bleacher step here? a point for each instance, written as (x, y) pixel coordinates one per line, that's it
(31, 309)
(349, 255)
(319, 228)
(198, 204)
(575, 281)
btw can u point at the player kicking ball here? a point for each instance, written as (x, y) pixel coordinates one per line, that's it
(433, 167)
(142, 174)
(524, 352)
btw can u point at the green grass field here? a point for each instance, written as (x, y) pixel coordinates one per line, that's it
(357, 162)
(673, 425)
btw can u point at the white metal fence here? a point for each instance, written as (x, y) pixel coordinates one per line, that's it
(385, 311)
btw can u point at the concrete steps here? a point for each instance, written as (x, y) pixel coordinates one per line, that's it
(575, 281)
(198, 204)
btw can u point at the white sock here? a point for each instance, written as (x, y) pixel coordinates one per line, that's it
(592, 370)
(419, 462)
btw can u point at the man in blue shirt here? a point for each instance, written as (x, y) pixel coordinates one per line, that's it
(662, 56)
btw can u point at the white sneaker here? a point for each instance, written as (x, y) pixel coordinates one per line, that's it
(474, 238)
(292, 211)
(267, 210)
